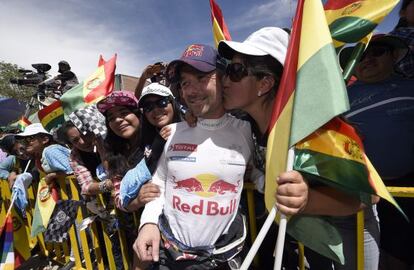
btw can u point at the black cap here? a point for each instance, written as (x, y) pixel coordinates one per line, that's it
(7, 143)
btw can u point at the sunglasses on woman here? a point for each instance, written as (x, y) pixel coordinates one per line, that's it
(375, 51)
(236, 72)
(28, 139)
(151, 105)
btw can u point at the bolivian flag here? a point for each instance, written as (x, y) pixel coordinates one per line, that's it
(351, 20)
(336, 154)
(52, 115)
(23, 123)
(21, 240)
(220, 30)
(97, 86)
(311, 92)
(6, 245)
(45, 204)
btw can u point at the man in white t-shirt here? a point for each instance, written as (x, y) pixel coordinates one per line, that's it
(200, 175)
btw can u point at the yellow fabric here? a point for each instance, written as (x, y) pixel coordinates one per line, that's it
(344, 147)
(276, 153)
(217, 32)
(94, 80)
(45, 202)
(313, 22)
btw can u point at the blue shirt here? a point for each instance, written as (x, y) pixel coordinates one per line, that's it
(383, 113)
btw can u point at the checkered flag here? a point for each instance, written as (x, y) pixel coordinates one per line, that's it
(62, 219)
(89, 119)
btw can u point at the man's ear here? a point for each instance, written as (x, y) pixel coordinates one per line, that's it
(266, 84)
(45, 140)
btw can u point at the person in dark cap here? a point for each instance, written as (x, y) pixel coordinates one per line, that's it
(382, 108)
(16, 160)
(67, 78)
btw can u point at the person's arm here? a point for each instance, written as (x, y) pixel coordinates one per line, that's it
(147, 193)
(146, 245)
(6, 166)
(294, 196)
(148, 72)
(84, 177)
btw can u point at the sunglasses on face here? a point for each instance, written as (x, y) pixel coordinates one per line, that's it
(151, 105)
(376, 51)
(236, 72)
(29, 139)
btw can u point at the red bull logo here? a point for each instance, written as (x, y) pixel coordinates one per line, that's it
(205, 207)
(207, 185)
(221, 187)
(193, 51)
(189, 185)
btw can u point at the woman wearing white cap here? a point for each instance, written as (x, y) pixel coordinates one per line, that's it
(159, 108)
(250, 83)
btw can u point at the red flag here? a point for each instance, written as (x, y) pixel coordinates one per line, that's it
(220, 30)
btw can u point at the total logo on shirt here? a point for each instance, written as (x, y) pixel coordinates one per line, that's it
(183, 147)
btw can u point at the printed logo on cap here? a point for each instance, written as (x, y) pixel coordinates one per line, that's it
(194, 51)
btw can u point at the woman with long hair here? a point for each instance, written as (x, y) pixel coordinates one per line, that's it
(122, 146)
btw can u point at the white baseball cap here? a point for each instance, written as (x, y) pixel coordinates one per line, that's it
(271, 41)
(33, 129)
(155, 89)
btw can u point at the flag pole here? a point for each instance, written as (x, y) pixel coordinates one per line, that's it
(283, 220)
(14, 195)
(266, 226)
(259, 239)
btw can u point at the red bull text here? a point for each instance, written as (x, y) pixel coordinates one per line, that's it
(205, 207)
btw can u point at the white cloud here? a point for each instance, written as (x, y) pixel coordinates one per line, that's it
(272, 13)
(32, 34)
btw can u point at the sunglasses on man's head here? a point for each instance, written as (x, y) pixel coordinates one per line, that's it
(159, 103)
(375, 51)
(236, 72)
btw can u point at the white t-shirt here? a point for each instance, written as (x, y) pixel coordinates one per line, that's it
(200, 174)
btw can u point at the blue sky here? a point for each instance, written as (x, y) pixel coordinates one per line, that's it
(140, 32)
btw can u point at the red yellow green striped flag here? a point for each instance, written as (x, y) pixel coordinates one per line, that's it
(6, 244)
(311, 92)
(220, 30)
(351, 20)
(23, 123)
(97, 86)
(45, 204)
(336, 154)
(52, 115)
(22, 247)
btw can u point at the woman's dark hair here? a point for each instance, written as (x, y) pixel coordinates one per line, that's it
(149, 132)
(62, 132)
(262, 66)
(120, 155)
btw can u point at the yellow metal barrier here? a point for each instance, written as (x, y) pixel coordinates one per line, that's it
(360, 240)
(89, 241)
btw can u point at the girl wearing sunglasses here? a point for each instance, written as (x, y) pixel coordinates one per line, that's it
(159, 110)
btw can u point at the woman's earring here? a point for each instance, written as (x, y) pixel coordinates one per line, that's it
(259, 93)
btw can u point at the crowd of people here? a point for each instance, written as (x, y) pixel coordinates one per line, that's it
(180, 147)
